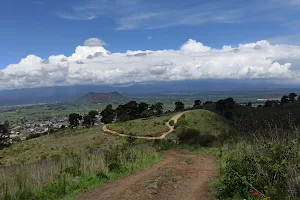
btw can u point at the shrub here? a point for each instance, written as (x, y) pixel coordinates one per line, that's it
(269, 169)
(228, 115)
(182, 122)
(171, 123)
(33, 135)
(194, 137)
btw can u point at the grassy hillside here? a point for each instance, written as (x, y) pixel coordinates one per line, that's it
(203, 121)
(78, 141)
(142, 127)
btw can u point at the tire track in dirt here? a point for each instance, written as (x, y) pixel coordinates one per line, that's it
(163, 136)
(180, 176)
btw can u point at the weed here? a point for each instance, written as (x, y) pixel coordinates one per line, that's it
(189, 161)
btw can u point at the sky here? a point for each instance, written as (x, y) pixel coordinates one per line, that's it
(54, 42)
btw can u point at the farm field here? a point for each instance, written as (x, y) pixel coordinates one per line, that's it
(47, 112)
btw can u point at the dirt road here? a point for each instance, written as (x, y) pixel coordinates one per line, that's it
(181, 176)
(163, 135)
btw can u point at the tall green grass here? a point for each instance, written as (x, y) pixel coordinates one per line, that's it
(261, 163)
(66, 175)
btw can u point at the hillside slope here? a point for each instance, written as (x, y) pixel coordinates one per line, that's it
(204, 121)
(93, 97)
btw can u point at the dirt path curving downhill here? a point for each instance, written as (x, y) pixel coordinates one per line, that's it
(171, 129)
(180, 176)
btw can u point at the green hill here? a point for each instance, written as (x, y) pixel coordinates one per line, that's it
(70, 140)
(142, 127)
(204, 121)
(93, 97)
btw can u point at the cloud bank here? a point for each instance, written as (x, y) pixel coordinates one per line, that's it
(92, 64)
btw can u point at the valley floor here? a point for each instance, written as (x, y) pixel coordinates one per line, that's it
(181, 176)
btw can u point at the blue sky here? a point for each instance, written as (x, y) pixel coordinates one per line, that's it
(53, 27)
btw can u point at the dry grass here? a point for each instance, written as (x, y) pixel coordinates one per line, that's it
(78, 141)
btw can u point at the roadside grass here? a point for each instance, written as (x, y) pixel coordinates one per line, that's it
(71, 174)
(154, 126)
(70, 140)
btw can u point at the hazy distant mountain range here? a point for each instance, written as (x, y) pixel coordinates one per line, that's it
(71, 93)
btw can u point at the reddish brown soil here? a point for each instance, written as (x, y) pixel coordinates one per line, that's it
(180, 176)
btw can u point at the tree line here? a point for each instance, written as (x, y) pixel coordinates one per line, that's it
(128, 111)
(285, 99)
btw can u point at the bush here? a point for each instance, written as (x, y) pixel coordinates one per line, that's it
(194, 137)
(269, 169)
(228, 115)
(182, 122)
(33, 135)
(171, 123)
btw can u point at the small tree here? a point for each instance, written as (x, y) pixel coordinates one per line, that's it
(207, 102)
(197, 104)
(108, 114)
(93, 113)
(142, 107)
(179, 106)
(221, 106)
(4, 135)
(90, 118)
(87, 120)
(157, 108)
(147, 113)
(292, 97)
(230, 103)
(284, 100)
(74, 119)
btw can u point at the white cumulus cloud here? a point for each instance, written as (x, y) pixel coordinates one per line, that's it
(91, 64)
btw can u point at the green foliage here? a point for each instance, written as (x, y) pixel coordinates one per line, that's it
(107, 114)
(157, 108)
(74, 119)
(33, 135)
(203, 121)
(80, 141)
(131, 139)
(78, 173)
(179, 106)
(189, 161)
(172, 123)
(4, 135)
(197, 104)
(153, 126)
(194, 137)
(90, 118)
(270, 169)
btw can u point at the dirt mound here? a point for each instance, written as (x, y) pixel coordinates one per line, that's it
(181, 176)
